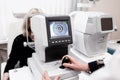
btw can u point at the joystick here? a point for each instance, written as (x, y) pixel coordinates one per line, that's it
(65, 60)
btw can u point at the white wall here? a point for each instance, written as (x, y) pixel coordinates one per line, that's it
(8, 7)
(112, 7)
(48, 6)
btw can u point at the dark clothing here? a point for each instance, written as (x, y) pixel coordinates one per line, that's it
(19, 53)
(95, 65)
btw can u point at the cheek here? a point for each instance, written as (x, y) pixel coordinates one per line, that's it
(32, 37)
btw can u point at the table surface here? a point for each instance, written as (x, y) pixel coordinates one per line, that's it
(83, 76)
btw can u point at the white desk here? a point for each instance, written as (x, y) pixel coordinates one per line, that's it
(20, 73)
(82, 75)
(26, 74)
(113, 44)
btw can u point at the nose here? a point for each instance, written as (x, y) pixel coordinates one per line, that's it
(32, 36)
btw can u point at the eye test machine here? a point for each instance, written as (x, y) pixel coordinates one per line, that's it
(53, 35)
(53, 39)
(90, 31)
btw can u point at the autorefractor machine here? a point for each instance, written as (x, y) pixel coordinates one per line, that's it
(90, 31)
(53, 35)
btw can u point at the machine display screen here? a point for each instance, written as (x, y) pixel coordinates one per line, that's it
(106, 24)
(58, 29)
(59, 36)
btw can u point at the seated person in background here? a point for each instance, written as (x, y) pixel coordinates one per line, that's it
(19, 52)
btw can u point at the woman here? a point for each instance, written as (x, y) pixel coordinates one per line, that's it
(19, 51)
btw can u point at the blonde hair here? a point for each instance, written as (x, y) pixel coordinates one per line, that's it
(26, 22)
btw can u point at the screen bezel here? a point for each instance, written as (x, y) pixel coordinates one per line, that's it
(59, 18)
(100, 24)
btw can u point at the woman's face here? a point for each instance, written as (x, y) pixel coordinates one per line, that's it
(32, 36)
(29, 30)
(29, 24)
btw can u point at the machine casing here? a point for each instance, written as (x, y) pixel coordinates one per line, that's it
(53, 35)
(44, 43)
(90, 34)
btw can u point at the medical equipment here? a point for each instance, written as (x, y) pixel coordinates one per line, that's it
(90, 30)
(53, 36)
(65, 60)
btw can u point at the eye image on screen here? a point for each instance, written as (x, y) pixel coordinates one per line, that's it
(58, 29)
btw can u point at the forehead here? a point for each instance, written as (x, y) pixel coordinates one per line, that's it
(34, 11)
